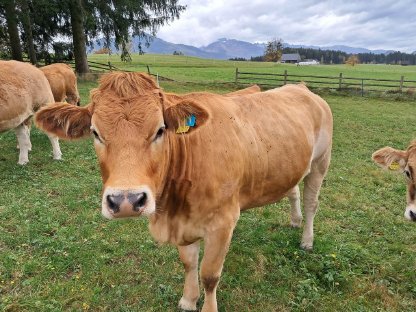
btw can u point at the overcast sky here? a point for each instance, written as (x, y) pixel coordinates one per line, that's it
(381, 24)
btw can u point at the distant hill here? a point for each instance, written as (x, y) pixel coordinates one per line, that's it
(224, 48)
(231, 48)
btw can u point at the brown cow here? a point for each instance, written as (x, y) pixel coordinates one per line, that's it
(242, 152)
(23, 90)
(63, 82)
(401, 161)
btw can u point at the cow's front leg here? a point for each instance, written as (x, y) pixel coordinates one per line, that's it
(216, 248)
(57, 154)
(189, 257)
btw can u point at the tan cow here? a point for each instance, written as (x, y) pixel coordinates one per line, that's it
(192, 182)
(23, 90)
(63, 82)
(401, 161)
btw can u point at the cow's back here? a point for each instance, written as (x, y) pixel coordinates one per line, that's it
(62, 80)
(259, 146)
(23, 90)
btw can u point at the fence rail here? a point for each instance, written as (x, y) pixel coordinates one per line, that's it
(340, 83)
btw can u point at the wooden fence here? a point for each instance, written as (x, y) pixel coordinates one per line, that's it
(340, 83)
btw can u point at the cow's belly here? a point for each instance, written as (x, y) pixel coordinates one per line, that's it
(13, 114)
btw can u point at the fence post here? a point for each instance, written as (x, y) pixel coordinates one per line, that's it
(401, 83)
(109, 65)
(148, 69)
(340, 81)
(285, 78)
(362, 87)
(236, 74)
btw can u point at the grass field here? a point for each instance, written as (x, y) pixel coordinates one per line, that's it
(185, 68)
(58, 254)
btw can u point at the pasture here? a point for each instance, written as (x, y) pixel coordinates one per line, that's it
(192, 69)
(58, 254)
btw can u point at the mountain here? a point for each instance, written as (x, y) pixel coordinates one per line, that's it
(231, 48)
(223, 48)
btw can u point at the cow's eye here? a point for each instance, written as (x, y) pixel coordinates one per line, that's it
(95, 133)
(160, 132)
(408, 174)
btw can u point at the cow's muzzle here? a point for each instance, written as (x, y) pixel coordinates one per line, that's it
(412, 215)
(119, 203)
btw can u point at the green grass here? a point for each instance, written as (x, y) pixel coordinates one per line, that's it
(58, 254)
(186, 68)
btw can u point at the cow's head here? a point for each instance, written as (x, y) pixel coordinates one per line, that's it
(74, 100)
(134, 128)
(405, 162)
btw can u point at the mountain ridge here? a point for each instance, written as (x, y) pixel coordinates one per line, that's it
(223, 48)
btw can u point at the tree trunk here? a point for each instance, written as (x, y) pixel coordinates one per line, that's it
(78, 37)
(13, 31)
(27, 26)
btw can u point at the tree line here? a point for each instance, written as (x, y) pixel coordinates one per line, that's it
(274, 49)
(62, 29)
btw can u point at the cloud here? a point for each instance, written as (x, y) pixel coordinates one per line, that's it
(383, 24)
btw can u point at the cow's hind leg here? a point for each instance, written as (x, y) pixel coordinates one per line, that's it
(28, 123)
(189, 257)
(312, 186)
(295, 212)
(23, 139)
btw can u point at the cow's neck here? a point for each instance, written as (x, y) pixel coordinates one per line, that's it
(172, 203)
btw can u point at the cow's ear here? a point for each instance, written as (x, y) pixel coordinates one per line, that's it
(390, 158)
(65, 120)
(185, 116)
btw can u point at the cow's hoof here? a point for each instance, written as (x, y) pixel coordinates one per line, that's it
(187, 305)
(306, 246)
(296, 224)
(23, 162)
(57, 157)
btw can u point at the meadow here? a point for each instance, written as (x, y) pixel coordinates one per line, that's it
(192, 69)
(58, 254)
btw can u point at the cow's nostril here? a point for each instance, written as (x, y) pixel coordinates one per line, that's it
(113, 202)
(412, 215)
(137, 200)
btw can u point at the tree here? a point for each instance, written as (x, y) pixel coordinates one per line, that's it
(79, 40)
(126, 18)
(27, 26)
(352, 60)
(9, 8)
(273, 52)
(83, 21)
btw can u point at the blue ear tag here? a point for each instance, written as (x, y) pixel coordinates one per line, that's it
(190, 121)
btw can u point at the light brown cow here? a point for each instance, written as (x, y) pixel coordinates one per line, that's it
(401, 161)
(243, 152)
(63, 82)
(23, 90)
(249, 90)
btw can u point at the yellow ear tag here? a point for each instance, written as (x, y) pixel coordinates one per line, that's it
(394, 166)
(183, 128)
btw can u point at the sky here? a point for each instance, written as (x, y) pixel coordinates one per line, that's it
(381, 24)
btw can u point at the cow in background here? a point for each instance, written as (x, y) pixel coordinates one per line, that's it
(404, 162)
(23, 90)
(194, 165)
(63, 82)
